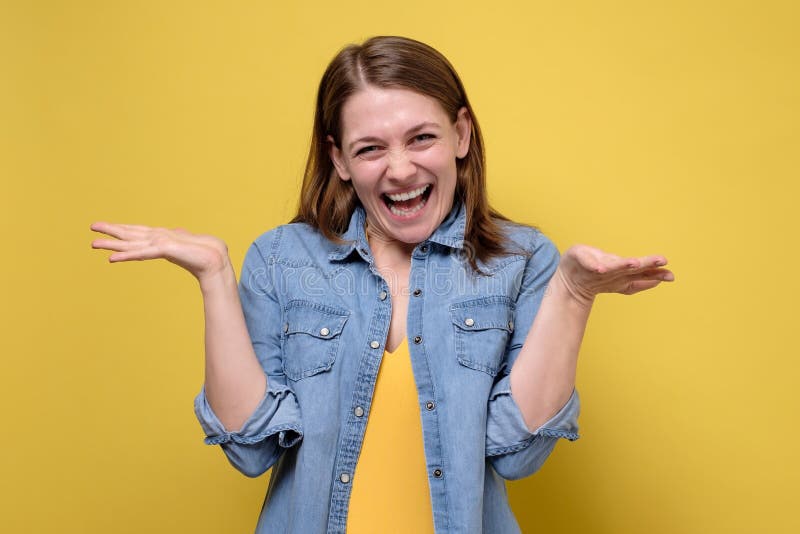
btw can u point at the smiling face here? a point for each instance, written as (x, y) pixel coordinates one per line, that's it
(399, 150)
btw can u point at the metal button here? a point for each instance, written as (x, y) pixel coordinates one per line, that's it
(374, 344)
(417, 339)
(382, 295)
(469, 321)
(417, 292)
(430, 405)
(324, 332)
(285, 327)
(345, 478)
(511, 325)
(437, 473)
(359, 411)
(423, 249)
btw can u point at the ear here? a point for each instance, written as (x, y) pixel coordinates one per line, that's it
(336, 157)
(464, 132)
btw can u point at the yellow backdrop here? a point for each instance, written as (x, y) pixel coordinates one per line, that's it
(637, 127)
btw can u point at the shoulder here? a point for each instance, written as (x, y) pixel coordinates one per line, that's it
(527, 240)
(521, 246)
(293, 244)
(540, 253)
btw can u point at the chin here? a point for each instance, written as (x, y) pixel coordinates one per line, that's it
(415, 236)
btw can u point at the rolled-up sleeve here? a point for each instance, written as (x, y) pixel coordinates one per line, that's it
(256, 446)
(276, 423)
(514, 450)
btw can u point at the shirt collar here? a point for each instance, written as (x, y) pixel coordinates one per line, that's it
(450, 233)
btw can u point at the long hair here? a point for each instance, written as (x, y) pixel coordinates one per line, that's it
(327, 202)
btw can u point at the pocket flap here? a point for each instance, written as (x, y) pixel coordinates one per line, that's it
(314, 319)
(484, 313)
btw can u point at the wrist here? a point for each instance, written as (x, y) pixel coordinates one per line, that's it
(560, 287)
(221, 279)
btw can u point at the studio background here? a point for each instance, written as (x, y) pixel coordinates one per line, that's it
(636, 127)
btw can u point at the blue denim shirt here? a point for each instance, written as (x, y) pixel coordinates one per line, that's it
(318, 315)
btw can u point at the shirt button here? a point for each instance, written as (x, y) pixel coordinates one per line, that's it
(436, 472)
(417, 339)
(382, 295)
(430, 405)
(345, 478)
(511, 325)
(324, 332)
(374, 344)
(417, 292)
(359, 411)
(423, 249)
(469, 321)
(364, 252)
(285, 327)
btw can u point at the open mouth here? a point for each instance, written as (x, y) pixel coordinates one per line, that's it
(408, 203)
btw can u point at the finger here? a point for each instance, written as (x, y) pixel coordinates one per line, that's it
(146, 253)
(120, 231)
(593, 259)
(650, 262)
(664, 275)
(640, 285)
(136, 227)
(614, 264)
(103, 227)
(634, 264)
(115, 244)
(619, 264)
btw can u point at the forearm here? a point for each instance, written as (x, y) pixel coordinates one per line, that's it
(543, 375)
(234, 381)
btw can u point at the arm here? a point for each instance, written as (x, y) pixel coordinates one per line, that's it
(523, 427)
(514, 449)
(543, 376)
(235, 382)
(241, 339)
(275, 424)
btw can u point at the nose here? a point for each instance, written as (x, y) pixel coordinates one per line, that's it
(399, 165)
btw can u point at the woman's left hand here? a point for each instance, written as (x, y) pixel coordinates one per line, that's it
(587, 271)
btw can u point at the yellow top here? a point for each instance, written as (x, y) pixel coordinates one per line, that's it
(390, 485)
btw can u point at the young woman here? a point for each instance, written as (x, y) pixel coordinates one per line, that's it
(400, 348)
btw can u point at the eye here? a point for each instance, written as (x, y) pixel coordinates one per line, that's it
(367, 150)
(422, 141)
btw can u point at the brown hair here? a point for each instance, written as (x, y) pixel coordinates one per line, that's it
(327, 203)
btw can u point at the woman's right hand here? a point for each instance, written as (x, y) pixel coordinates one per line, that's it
(204, 256)
(235, 382)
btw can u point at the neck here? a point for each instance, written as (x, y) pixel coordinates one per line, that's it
(388, 251)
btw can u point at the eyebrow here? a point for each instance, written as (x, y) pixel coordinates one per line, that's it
(411, 131)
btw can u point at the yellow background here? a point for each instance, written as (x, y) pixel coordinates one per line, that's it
(637, 127)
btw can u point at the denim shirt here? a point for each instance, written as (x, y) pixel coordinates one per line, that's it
(318, 315)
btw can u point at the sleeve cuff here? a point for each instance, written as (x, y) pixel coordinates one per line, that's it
(506, 430)
(277, 413)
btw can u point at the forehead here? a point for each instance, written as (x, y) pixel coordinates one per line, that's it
(387, 111)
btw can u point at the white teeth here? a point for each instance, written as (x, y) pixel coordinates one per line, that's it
(407, 213)
(408, 196)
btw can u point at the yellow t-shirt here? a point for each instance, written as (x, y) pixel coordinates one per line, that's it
(390, 485)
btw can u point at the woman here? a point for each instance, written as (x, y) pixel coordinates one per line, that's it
(370, 353)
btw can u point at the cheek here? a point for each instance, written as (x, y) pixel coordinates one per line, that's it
(365, 184)
(365, 173)
(439, 157)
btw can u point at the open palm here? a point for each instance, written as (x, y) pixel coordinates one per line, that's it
(201, 255)
(588, 271)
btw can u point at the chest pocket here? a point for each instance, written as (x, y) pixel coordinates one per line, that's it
(482, 328)
(311, 334)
